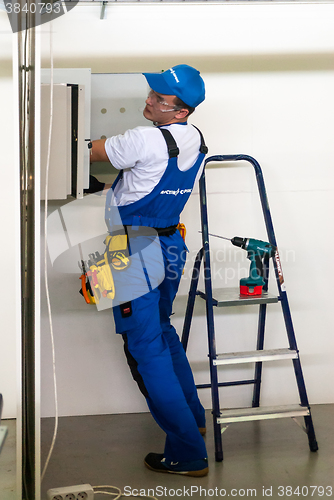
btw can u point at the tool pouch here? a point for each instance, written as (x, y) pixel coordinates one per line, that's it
(115, 258)
(117, 251)
(101, 279)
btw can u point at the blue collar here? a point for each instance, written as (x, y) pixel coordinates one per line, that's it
(168, 124)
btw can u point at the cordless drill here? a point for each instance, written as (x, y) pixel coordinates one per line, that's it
(256, 251)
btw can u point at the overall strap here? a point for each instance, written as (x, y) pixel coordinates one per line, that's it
(203, 149)
(173, 150)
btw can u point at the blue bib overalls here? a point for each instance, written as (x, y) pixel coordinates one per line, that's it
(145, 292)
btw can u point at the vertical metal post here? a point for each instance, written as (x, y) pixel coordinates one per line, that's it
(191, 299)
(210, 321)
(260, 337)
(26, 95)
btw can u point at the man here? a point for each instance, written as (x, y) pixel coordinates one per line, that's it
(159, 166)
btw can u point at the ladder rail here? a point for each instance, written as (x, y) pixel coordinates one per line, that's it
(191, 299)
(260, 184)
(260, 337)
(259, 347)
(210, 320)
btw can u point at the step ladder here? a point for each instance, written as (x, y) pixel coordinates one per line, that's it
(227, 297)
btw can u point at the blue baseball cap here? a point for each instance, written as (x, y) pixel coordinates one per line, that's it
(182, 80)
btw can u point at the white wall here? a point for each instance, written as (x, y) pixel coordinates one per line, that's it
(10, 245)
(269, 76)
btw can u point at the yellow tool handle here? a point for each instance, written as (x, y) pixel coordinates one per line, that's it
(182, 228)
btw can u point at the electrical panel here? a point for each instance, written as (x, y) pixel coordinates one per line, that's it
(68, 162)
(85, 106)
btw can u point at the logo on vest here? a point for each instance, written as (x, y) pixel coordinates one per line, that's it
(175, 193)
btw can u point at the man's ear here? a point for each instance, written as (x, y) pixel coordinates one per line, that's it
(182, 114)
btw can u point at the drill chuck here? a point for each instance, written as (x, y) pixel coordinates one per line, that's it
(239, 242)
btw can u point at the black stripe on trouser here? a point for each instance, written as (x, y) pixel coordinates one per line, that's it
(134, 367)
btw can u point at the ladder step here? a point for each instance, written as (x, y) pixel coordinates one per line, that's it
(226, 297)
(261, 413)
(253, 356)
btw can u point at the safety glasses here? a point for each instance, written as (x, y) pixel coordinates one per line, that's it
(158, 100)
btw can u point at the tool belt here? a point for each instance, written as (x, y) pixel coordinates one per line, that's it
(100, 282)
(165, 231)
(97, 275)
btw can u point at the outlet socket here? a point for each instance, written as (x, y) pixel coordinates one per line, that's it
(78, 492)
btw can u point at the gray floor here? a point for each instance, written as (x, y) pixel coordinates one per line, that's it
(266, 457)
(8, 462)
(269, 454)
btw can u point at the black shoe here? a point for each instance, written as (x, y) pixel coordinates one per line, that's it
(158, 463)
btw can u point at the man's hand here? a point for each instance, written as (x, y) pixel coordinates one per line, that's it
(97, 151)
(95, 186)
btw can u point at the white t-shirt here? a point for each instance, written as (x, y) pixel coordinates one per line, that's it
(142, 154)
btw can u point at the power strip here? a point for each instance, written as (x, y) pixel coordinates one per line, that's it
(79, 492)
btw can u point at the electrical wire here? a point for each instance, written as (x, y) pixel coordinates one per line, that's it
(116, 495)
(119, 493)
(45, 260)
(24, 188)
